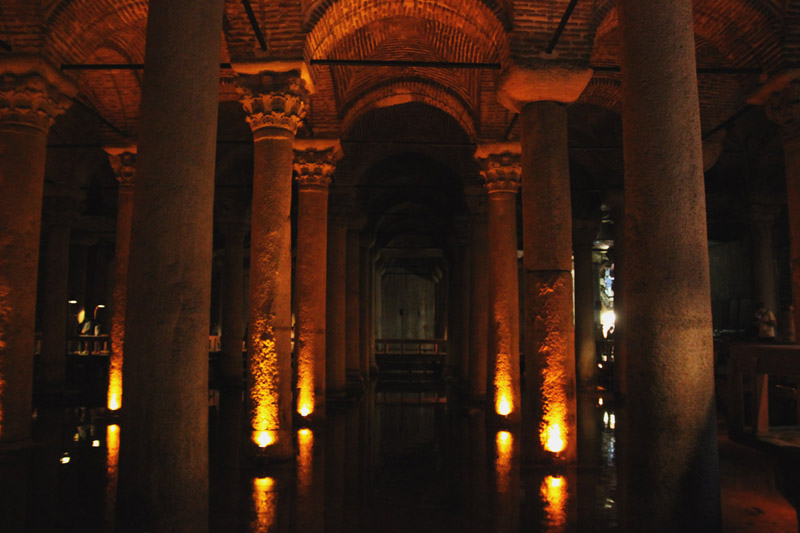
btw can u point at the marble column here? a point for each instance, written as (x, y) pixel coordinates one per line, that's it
(781, 96)
(501, 172)
(672, 477)
(314, 165)
(123, 163)
(275, 105)
(163, 480)
(231, 218)
(352, 305)
(61, 208)
(478, 295)
(32, 94)
(584, 232)
(764, 275)
(336, 296)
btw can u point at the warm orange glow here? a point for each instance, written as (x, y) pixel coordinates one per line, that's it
(503, 466)
(263, 438)
(112, 475)
(504, 395)
(554, 495)
(305, 410)
(264, 500)
(553, 432)
(305, 381)
(113, 399)
(112, 446)
(503, 406)
(305, 444)
(263, 368)
(553, 439)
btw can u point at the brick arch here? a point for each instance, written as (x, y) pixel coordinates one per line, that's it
(603, 91)
(476, 33)
(403, 91)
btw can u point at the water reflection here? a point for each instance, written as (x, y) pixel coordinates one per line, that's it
(265, 501)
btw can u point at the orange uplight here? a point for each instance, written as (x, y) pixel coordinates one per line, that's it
(503, 407)
(113, 401)
(554, 495)
(553, 432)
(264, 500)
(263, 368)
(305, 410)
(305, 445)
(112, 446)
(505, 450)
(305, 381)
(263, 438)
(553, 439)
(504, 400)
(112, 472)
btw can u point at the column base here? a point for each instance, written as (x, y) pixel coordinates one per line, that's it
(281, 449)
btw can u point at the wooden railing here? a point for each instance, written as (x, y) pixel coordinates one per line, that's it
(410, 346)
(749, 370)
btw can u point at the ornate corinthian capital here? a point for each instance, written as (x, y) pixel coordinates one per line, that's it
(501, 167)
(315, 162)
(123, 163)
(32, 92)
(783, 108)
(273, 99)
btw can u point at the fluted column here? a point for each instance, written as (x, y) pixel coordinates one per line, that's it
(478, 294)
(32, 94)
(782, 99)
(163, 480)
(336, 296)
(314, 166)
(583, 233)
(501, 172)
(275, 106)
(61, 208)
(123, 162)
(672, 477)
(764, 275)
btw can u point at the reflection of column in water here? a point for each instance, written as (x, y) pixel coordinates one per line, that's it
(112, 474)
(48, 430)
(506, 511)
(554, 495)
(334, 471)
(366, 417)
(351, 461)
(476, 470)
(225, 512)
(14, 488)
(265, 501)
(310, 482)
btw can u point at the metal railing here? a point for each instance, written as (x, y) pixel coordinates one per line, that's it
(410, 346)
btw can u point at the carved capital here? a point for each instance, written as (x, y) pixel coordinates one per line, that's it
(501, 170)
(315, 162)
(540, 80)
(32, 92)
(273, 100)
(123, 163)
(763, 216)
(783, 108)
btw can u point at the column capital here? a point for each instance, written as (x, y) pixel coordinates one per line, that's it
(32, 91)
(780, 97)
(272, 99)
(540, 80)
(501, 166)
(62, 205)
(763, 215)
(315, 161)
(123, 163)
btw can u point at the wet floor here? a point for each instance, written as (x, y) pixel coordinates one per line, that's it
(391, 462)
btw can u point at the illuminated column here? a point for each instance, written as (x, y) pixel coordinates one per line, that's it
(763, 220)
(61, 208)
(352, 301)
(671, 466)
(538, 93)
(501, 171)
(31, 95)
(583, 233)
(231, 218)
(314, 165)
(781, 96)
(478, 294)
(275, 106)
(163, 483)
(335, 342)
(123, 162)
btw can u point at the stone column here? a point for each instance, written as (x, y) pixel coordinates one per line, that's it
(781, 97)
(365, 307)
(61, 208)
(763, 219)
(672, 479)
(164, 449)
(231, 218)
(478, 295)
(352, 301)
(123, 162)
(275, 105)
(336, 325)
(501, 171)
(538, 92)
(584, 232)
(314, 165)
(32, 94)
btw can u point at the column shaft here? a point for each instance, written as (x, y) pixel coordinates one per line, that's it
(791, 152)
(310, 292)
(231, 361)
(54, 314)
(503, 305)
(365, 340)
(352, 330)
(479, 308)
(585, 343)
(764, 258)
(671, 466)
(164, 450)
(336, 345)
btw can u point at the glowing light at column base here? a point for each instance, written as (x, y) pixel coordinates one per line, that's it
(553, 438)
(554, 495)
(503, 407)
(306, 410)
(263, 369)
(114, 402)
(505, 449)
(305, 382)
(504, 401)
(263, 438)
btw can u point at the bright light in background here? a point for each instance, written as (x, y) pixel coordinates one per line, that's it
(73, 302)
(600, 401)
(95, 443)
(608, 319)
(65, 459)
(554, 495)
